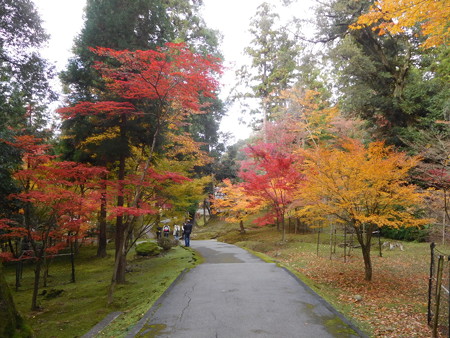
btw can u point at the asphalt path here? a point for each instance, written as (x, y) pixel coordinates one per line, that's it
(235, 294)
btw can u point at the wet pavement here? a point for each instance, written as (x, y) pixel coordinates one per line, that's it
(235, 294)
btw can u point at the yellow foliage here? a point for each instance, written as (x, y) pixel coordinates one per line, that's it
(234, 203)
(181, 196)
(395, 16)
(311, 115)
(183, 148)
(359, 185)
(109, 134)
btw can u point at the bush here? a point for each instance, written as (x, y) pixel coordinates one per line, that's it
(167, 243)
(148, 249)
(406, 234)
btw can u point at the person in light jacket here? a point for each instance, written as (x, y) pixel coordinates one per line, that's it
(176, 232)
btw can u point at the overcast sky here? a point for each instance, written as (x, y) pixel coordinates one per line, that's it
(63, 20)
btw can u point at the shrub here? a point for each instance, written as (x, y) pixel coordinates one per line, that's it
(406, 234)
(166, 243)
(148, 249)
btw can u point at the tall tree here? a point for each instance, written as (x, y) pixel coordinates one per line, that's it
(131, 25)
(24, 91)
(24, 84)
(273, 54)
(380, 78)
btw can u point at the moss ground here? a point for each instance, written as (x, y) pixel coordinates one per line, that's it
(83, 304)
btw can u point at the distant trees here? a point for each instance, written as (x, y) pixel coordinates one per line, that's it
(235, 204)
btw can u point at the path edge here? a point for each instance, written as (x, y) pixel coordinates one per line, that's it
(101, 325)
(327, 305)
(140, 324)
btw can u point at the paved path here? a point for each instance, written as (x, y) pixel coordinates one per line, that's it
(235, 294)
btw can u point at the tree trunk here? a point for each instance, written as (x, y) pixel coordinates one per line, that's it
(37, 276)
(11, 323)
(367, 263)
(241, 226)
(120, 264)
(364, 235)
(283, 226)
(102, 241)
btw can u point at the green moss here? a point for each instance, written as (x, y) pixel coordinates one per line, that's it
(83, 304)
(148, 249)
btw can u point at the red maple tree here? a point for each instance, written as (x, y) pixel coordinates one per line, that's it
(160, 88)
(56, 205)
(271, 176)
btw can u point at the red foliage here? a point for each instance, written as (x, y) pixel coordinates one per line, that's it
(55, 196)
(271, 176)
(172, 74)
(108, 108)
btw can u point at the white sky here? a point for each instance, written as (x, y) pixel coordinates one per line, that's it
(63, 20)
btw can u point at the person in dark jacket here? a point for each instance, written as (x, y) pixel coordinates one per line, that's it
(187, 233)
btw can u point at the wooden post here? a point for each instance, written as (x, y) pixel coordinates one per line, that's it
(331, 241)
(430, 283)
(318, 241)
(438, 295)
(345, 243)
(335, 239)
(379, 242)
(448, 301)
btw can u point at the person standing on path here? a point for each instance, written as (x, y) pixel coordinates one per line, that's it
(166, 231)
(176, 232)
(187, 233)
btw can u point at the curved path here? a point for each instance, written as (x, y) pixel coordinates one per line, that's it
(235, 294)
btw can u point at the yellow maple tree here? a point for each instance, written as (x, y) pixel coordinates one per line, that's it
(362, 187)
(396, 16)
(235, 204)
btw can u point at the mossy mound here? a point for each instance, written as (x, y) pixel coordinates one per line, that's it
(148, 249)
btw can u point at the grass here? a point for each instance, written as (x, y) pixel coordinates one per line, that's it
(393, 304)
(83, 304)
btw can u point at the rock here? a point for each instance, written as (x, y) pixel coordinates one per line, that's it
(358, 298)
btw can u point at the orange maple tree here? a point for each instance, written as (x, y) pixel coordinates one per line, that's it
(362, 187)
(232, 202)
(396, 16)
